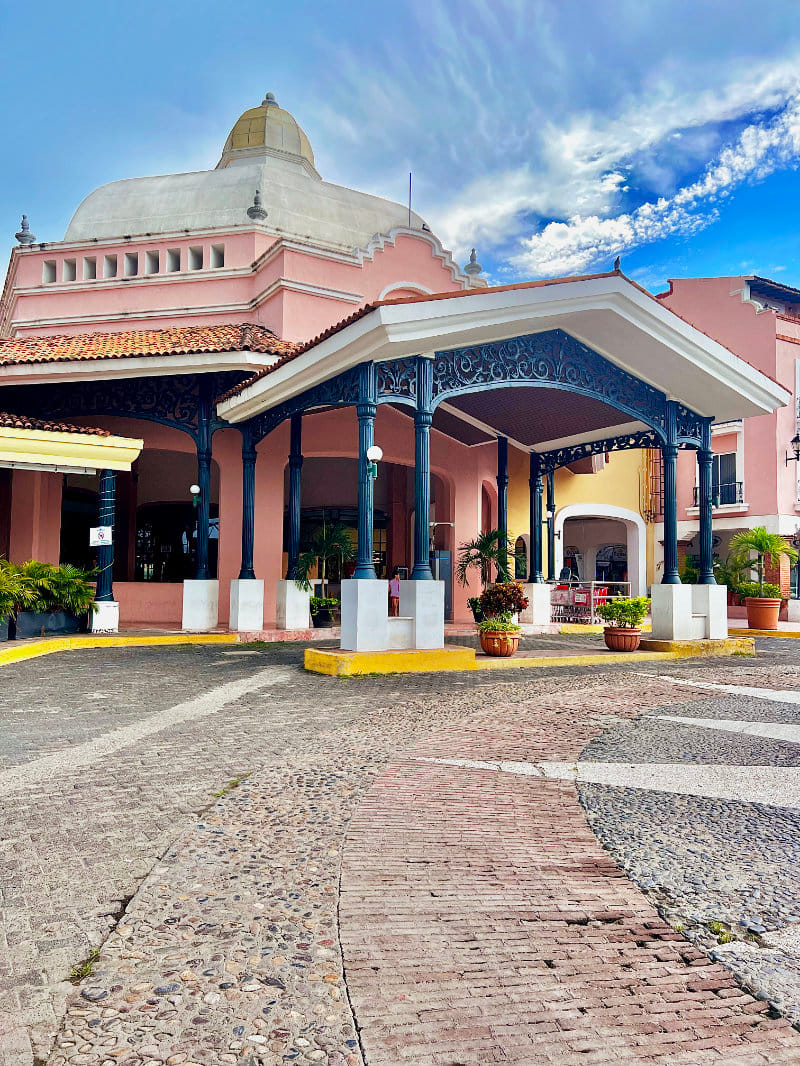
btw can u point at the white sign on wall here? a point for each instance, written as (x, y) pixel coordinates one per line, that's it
(100, 536)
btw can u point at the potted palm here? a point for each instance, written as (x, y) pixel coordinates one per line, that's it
(625, 613)
(489, 550)
(762, 609)
(50, 599)
(330, 541)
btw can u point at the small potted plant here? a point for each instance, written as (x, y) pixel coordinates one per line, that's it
(322, 609)
(499, 635)
(506, 597)
(625, 613)
(474, 604)
(762, 609)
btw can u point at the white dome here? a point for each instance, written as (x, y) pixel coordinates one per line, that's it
(277, 160)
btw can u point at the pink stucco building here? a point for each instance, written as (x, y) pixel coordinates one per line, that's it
(753, 483)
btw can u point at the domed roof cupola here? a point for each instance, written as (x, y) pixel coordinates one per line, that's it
(267, 130)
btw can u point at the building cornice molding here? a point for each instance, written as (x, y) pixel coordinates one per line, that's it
(133, 367)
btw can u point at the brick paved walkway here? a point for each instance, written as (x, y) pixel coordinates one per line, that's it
(482, 922)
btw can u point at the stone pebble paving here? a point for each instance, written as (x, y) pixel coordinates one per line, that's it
(731, 864)
(274, 841)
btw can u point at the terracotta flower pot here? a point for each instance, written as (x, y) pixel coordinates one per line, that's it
(618, 638)
(499, 643)
(762, 612)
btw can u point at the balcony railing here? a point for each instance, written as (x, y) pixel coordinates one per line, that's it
(723, 495)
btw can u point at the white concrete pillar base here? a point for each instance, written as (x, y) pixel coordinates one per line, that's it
(424, 602)
(365, 615)
(200, 605)
(292, 606)
(537, 613)
(689, 612)
(247, 605)
(105, 617)
(793, 610)
(712, 601)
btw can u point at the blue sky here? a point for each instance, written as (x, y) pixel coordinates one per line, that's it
(552, 135)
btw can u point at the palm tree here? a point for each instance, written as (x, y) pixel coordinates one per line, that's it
(766, 546)
(488, 549)
(328, 541)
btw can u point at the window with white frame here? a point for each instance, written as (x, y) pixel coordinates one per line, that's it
(724, 486)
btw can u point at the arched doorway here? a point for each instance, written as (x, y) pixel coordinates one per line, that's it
(600, 542)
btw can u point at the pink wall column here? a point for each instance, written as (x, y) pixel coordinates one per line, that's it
(35, 516)
(273, 455)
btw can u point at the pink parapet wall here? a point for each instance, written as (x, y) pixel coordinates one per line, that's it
(261, 278)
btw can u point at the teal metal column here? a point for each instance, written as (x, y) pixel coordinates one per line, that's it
(669, 453)
(366, 410)
(295, 471)
(105, 555)
(502, 500)
(423, 416)
(535, 483)
(246, 570)
(705, 458)
(204, 481)
(551, 526)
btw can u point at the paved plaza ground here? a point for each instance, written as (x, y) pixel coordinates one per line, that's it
(209, 856)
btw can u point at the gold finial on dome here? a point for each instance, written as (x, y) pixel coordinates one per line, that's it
(267, 130)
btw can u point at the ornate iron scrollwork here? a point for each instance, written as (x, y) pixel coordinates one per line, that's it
(340, 391)
(397, 380)
(170, 400)
(553, 359)
(689, 426)
(564, 456)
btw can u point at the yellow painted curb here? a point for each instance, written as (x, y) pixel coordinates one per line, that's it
(337, 663)
(692, 649)
(789, 634)
(593, 659)
(49, 646)
(354, 663)
(577, 628)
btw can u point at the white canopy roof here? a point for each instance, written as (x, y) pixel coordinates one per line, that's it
(607, 312)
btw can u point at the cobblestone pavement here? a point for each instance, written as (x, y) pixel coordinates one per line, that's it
(474, 914)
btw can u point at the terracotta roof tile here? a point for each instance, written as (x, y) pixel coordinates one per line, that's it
(9, 421)
(129, 344)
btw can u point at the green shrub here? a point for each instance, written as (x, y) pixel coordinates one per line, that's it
(498, 624)
(625, 612)
(320, 603)
(752, 588)
(41, 587)
(506, 597)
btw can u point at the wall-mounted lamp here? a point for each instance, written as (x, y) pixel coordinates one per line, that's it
(374, 456)
(195, 491)
(795, 444)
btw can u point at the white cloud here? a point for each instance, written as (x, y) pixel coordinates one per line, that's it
(574, 245)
